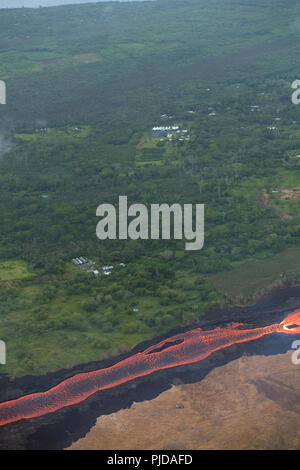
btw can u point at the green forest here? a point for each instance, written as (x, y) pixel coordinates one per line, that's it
(85, 86)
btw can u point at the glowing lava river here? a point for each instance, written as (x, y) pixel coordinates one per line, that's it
(185, 348)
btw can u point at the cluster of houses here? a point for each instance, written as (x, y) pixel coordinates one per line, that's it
(163, 131)
(85, 265)
(183, 135)
(42, 129)
(169, 132)
(108, 269)
(89, 266)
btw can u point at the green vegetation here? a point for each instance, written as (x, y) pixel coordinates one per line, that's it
(250, 277)
(86, 84)
(66, 135)
(13, 270)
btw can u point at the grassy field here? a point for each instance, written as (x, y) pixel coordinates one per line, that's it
(60, 135)
(247, 278)
(14, 270)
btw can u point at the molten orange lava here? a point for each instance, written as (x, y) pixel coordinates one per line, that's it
(184, 348)
(291, 324)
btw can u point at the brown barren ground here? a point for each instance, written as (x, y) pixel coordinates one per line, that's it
(290, 193)
(250, 403)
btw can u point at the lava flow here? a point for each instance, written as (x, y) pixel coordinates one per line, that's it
(185, 348)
